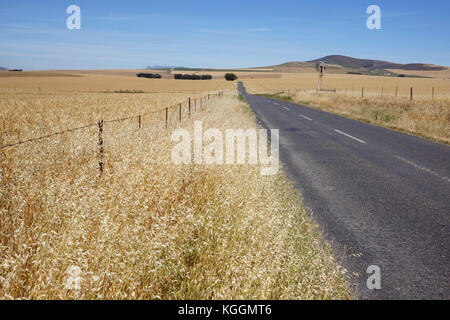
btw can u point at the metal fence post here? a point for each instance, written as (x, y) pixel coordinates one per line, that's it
(189, 107)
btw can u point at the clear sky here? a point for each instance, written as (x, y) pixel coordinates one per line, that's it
(217, 33)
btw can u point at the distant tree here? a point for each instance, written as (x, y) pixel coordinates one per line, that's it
(192, 77)
(230, 76)
(149, 75)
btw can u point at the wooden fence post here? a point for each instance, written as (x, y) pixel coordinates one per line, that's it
(189, 107)
(140, 122)
(382, 92)
(167, 116)
(100, 146)
(180, 112)
(411, 93)
(396, 91)
(362, 92)
(432, 93)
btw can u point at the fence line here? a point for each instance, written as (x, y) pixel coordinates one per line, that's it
(100, 124)
(47, 136)
(220, 93)
(369, 92)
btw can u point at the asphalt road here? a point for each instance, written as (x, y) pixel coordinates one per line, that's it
(380, 197)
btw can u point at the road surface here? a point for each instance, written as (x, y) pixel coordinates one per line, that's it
(380, 197)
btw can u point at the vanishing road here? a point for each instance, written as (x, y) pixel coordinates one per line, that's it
(380, 197)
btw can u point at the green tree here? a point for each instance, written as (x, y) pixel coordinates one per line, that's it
(230, 76)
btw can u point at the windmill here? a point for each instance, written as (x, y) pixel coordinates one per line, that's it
(320, 68)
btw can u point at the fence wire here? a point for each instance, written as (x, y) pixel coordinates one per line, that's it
(199, 104)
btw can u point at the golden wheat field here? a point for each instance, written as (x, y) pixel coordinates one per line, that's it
(102, 81)
(145, 228)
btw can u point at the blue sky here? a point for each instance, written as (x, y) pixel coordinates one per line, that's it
(216, 33)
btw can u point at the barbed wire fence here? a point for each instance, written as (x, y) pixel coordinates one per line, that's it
(409, 93)
(192, 105)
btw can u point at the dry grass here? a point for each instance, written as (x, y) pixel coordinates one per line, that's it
(147, 229)
(440, 74)
(373, 85)
(423, 116)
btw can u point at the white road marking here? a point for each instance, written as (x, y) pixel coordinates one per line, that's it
(286, 108)
(422, 168)
(305, 117)
(347, 135)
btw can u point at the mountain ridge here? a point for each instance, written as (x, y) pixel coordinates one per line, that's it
(364, 64)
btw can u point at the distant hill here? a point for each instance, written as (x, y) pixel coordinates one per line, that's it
(351, 64)
(295, 64)
(1, 68)
(159, 67)
(354, 63)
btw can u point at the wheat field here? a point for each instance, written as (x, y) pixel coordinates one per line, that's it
(145, 228)
(102, 81)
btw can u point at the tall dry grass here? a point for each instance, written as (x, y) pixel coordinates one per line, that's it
(148, 229)
(425, 117)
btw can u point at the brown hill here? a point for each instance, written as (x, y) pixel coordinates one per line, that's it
(354, 63)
